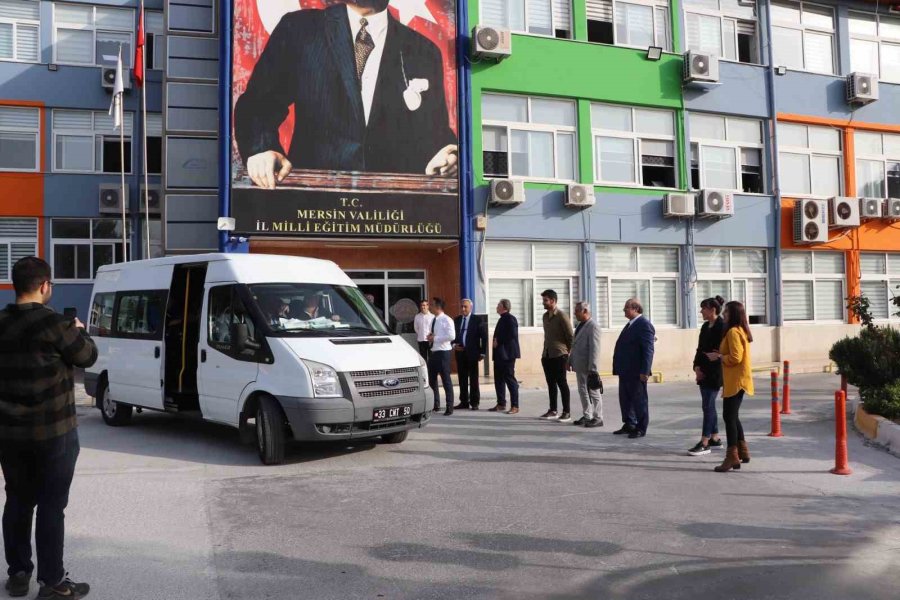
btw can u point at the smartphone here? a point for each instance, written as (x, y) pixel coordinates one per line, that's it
(71, 312)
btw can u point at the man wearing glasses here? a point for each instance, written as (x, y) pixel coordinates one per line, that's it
(633, 363)
(38, 435)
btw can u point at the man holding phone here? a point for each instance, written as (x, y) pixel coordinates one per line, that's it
(38, 437)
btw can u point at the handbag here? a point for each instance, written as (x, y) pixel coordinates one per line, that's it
(594, 382)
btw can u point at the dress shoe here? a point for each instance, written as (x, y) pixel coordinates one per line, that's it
(448, 412)
(624, 430)
(513, 411)
(636, 434)
(473, 407)
(17, 585)
(461, 406)
(580, 421)
(498, 408)
(594, 423)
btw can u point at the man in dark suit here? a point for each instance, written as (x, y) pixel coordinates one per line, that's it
(367, 91)
(632, 363)
(470, 346)
(506, 351)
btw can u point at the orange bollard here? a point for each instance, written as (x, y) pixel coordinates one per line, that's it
(841, 463)
(786, 394)
(776, 417)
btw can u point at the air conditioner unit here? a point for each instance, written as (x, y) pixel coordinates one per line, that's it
(579, 196)
(700, 67)
(844, 212)
(715, 204)
(870, 208)
(862, 88)
(507, 191)
(154, 199)
(108, 78)
(891, 209)
(810, 221)
(491, 42)
(679, 205)
(111, 199)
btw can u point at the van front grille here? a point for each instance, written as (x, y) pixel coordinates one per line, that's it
(370, 383)
(390, 392)
(383, 372)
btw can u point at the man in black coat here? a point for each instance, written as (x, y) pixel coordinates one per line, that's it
(470, 345)
(506, 351)
(367, 91)
(633, 365)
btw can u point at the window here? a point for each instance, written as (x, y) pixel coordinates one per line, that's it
(18, 239)
(633, 146)
(154, 143)
(649, 273)
(226, 309)
(92, 35)
(140, 314)
(20, 30)
(726, 153)
(19, 135)
(86, 142)
(810, 160)
(724, 28)
(880, 283)
(803, 36)
(100, 320)
(155, 40)
(81, 246)
(734, 274)
(526, 137)
(813, 286)
(520, 271)
(877, 164)
(537, 17)
(636, 23)
(875, 45)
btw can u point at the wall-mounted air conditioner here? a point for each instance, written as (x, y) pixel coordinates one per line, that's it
(679, 205)
(843, 212)
(111, 198)
(862, 88)
(715, 204)
(700, 67)
(579, 196)
(870, 208)
(154, 199)
(491, 42)
(810, 221)
(507, 191)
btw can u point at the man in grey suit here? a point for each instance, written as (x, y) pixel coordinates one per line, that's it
(584, 360)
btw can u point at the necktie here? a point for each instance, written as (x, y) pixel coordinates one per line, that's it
(465, 326)
(362, 48)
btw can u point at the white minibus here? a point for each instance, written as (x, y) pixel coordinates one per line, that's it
(282, 346)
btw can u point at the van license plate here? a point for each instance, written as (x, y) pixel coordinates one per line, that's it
(393, 412)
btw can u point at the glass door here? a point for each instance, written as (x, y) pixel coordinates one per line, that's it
(396, 294)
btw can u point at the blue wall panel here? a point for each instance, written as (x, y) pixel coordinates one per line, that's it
(826, 96)
(742, 91)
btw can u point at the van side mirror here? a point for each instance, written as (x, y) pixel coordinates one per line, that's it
(240, 338)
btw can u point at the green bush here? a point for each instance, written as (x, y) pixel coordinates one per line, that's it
(884, 401)
(871, 360)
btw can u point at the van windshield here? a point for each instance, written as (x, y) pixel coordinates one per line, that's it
(313, 308)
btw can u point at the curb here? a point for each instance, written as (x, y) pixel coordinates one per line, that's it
(876, 429)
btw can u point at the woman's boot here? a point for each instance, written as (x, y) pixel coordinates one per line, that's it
(743, 451)
(732, 460)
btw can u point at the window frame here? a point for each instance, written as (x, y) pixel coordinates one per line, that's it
(666, 44)
(731, 276)
(890, 280)
(638, 275)
(878, 39)
(636, 139)
(158, 37)
(8, 241)
(161, 296)
(814, 277)
(25, 130)
(802, 28)
(725, 15)
(884, 158)
(553, 24)
(95, 133)
(15, 36)
(736, 146)
(810, 153)
(511, 126)
(94, 29)
(91, 242)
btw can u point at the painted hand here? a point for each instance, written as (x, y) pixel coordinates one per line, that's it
(444, 162)
(268, 168)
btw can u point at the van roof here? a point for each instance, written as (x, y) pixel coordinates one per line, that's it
(246, 268)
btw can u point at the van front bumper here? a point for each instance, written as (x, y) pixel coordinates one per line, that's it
(323, 419)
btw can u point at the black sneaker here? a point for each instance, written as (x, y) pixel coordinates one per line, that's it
(17, 585)
(565, 418)
(699, 450)
(715, 443)
(594, 423)
(550, 414)
(580, 421)
(66, 589)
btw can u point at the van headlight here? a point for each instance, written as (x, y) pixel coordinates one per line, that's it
(423, 372)
(325, 380)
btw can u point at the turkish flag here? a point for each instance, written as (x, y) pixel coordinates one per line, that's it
(139, 51)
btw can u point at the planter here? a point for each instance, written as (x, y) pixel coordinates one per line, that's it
(878, 430)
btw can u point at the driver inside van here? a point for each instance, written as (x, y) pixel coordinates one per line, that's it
(276, 309)
(313, 309)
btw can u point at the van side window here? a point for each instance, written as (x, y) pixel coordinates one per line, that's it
(226, 309)
(100, 323)
(139, 315)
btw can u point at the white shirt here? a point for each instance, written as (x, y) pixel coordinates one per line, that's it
(377, 28)
(444, 333)
(422, 325)
(631, 322)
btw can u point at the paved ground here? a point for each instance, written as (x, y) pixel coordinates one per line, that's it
(485, 506)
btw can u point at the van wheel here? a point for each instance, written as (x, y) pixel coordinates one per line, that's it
(114, 413)
(270, 425)
(395, 438)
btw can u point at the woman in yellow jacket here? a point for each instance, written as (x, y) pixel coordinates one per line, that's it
(737, 381)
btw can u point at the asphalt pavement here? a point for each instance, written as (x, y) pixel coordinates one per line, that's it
(481, 505)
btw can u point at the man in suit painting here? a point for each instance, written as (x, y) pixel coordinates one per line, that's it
(506, 351)
(470, 346)
(632, 363)
(367, 91)
(584, 360)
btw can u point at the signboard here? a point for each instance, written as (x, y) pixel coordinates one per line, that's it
(345, 118)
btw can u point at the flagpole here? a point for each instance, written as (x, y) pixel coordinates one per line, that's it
(121, 109)
(144, 128)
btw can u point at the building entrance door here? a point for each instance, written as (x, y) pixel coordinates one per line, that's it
(397, 295)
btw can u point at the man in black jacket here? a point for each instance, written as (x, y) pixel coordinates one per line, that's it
(367, 91)
(506, 351)
(470, 346)
(38, 435)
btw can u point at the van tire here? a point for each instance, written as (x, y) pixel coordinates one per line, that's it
(395, 438)
(114, 413)
(270, 431)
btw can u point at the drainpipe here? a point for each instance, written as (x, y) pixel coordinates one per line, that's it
(225, 60)
(776, 179)
(464, 127)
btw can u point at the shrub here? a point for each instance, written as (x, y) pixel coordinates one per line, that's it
(884, 401)
(870, 360)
